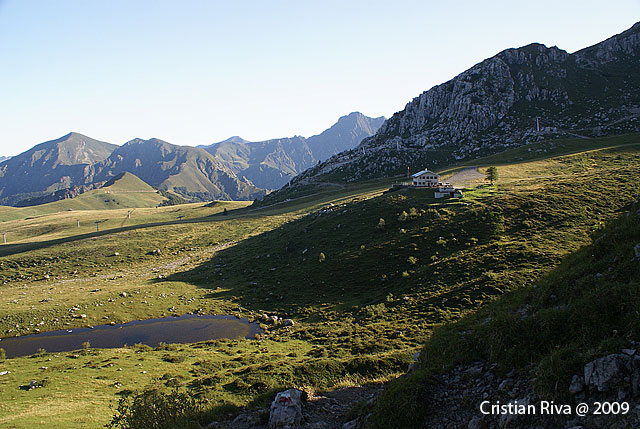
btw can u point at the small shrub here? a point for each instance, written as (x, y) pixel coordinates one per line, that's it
(412, 260)
(381, 224)
(3, 354)
(173, 358)
(322, 257)
(374, 310)
(86, 345)
(403, 216)
(167, 347)
(141, 348)
(156, 409)
(495, 223)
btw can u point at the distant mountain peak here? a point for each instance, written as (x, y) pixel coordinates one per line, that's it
(51, 166)
(235, 139)
(270, 164)
(357, 115)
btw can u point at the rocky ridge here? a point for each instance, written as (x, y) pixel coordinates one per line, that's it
(270, 164)
(51, 166)
(456, 398)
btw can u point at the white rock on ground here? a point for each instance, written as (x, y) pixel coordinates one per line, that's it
(286, 410)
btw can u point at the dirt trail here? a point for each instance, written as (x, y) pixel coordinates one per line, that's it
(466, 178)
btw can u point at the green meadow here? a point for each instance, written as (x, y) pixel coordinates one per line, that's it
(369, 277)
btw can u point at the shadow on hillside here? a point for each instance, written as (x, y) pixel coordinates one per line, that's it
(343, 261)
(17, 248)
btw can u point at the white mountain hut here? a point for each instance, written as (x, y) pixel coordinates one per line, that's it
(425, 179)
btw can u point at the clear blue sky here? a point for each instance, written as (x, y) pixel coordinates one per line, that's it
(196, 72)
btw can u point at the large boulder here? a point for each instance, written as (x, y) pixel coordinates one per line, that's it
(607, 372)
(286, 410)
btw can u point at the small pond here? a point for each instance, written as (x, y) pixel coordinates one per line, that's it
(183, 329)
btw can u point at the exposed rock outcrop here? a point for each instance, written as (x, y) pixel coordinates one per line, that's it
(514, 98)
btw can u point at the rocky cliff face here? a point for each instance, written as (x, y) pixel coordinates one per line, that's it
(514, 98)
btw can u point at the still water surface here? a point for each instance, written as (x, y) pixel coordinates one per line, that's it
(183, 329)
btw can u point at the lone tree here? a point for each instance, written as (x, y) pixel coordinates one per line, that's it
(492, 174)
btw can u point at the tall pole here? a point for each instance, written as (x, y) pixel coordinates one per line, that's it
(78, 223)
(4, 234)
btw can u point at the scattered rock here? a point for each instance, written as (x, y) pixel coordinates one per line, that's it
(577, 384)
(32, 385)
(506, 385)
(288, 322)
(286, 409)
(514, 420)
(607, 372)
(476, 423)
(353, 424)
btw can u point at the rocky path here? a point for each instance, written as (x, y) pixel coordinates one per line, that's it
(329, 410)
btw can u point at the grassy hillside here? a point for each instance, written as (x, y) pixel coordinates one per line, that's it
(124, 191)
(364, 294)
(534, 151)
(585, 308)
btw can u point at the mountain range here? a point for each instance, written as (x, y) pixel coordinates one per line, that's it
(514, 98)
(271, 164)
(51, 166)
(232, 170)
